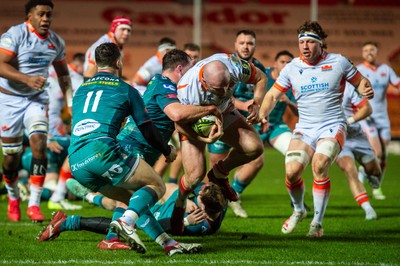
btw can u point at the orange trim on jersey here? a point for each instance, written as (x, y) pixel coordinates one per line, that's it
(111, 36)
(72, 67)
(203, 84)
(279, 87)
(159, 57)
(372, 67)
(362, 103)
(92, 62)
(395, 85)
(341, 136)
(182, 86)
(321, 57)
(7, 52)
(32, 29)
(356, 77)
(141, 80)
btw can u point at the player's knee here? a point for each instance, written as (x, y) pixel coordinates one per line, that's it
(12, 148)
(328, 148)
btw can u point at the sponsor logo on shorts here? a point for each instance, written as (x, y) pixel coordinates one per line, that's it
(85, 126)
(76, 166)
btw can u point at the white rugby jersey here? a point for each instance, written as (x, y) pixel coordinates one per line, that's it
(150, 68)
(191, 90)
(380, 78)
(318, 88)
(56, 99)
(90, 55)
(351, 102)
(32, 54)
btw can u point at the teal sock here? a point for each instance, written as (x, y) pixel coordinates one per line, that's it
(149, 225)
(142, 200)
(239, 186)
(72, 223)
(118, 212)
(173, 180)
(97, 200)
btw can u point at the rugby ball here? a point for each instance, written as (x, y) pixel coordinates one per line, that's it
(203, 126)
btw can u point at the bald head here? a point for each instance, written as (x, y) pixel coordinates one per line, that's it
(217, 77)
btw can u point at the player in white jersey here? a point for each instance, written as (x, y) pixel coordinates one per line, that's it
(153, 65)
(377, 126)
(317, 79)
(357, 148)
(58, 141)
(26, 52)
(212, 82)
(119, 33)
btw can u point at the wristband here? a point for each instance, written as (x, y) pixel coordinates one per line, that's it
(350, 120)
(185, 222)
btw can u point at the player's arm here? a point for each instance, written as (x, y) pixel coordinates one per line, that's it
(90, 71)
(364, 110)
(260, 87)
(269, 102)
(180, 113)
(9, 72)
(215, 133)
(363, 86)
(64, 80)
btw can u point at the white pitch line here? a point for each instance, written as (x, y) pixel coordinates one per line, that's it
(197, 261)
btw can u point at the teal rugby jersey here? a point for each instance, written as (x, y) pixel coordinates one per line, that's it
(99, 108)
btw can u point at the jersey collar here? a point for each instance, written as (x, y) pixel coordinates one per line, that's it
(321, 57)
(32, 29)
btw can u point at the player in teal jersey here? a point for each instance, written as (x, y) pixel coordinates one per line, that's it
(204, 214)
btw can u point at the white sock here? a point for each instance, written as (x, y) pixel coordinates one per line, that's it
(165, 240)
(130, 217)
(13, 190)
(60, 191)
(321, 192)
(34, 199)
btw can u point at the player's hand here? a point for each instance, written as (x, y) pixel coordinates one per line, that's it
(366, 89)
(253, 110)
(216, 132)
(36, 82)
(190, 206)
(196, 217)
(264, 127)
(54, 146)
(172, 155)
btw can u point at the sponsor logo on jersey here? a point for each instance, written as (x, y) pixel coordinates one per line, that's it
(326, 68)
(51, 46)
(6, 42)
(90, 159)
(314, 87)
(85, 126)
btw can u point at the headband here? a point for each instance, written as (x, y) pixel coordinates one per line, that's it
(310, 35)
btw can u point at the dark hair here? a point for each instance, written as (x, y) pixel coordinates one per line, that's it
(33, 3)
(107, 54)
(213, 199)
(371, 43)
(284, 52)
(313, 26)
(166, 40)
(191, 47)
(246, 32)
(79, 56)
(174, 58)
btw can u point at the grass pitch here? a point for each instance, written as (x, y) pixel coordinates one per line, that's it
(348, 238)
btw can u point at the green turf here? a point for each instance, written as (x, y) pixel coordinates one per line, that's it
(348, 239)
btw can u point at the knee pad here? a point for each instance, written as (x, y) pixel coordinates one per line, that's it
(11, 148)
(39, 127)
(328, 148)
(297, 156)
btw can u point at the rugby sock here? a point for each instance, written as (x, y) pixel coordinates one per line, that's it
(36, 190)
(118, 212)
(321, 191)
(363, 201)
(296, 192)
(97, 200)
(238, 185)
(165, 241)
(150, 226)
(98, 225)
(173, 180)
(220, 171)
(72, 223)
(12, 187)
(61, 189)
(37, 176)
